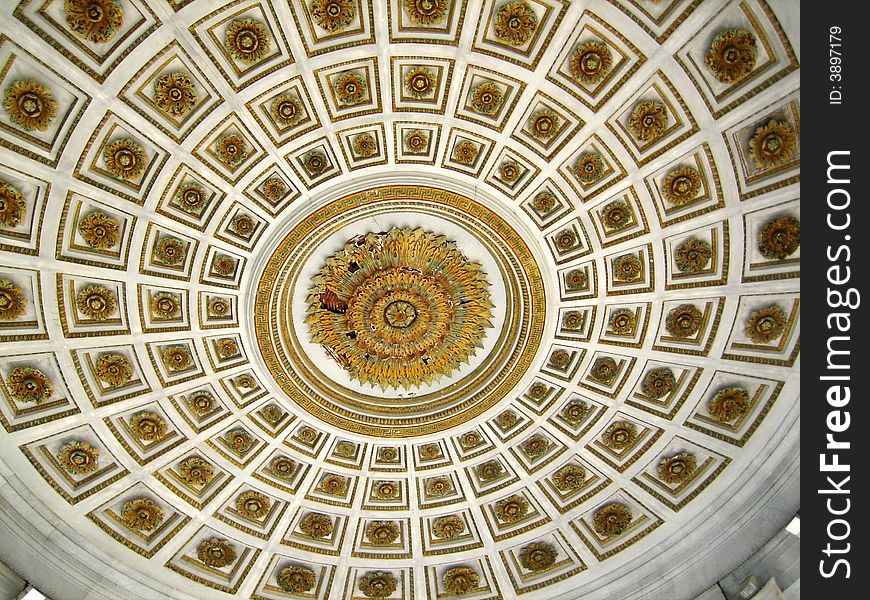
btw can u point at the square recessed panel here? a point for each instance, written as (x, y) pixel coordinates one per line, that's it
(488, 97)
(351, 88)
(95, 233)
(25, 313)
(686, 187)
(22, 233)
(439, 24)
(230, 149)
(285, 111)
(17, 410)
(415, 142)
(272, 190)
(518, 32)
(363, 146)
(420, 83)
(189, 198)
(763, 258)
(546, 126)
(320, 31)
(314, 163)
(658, 19)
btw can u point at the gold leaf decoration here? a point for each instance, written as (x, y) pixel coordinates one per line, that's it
(538, 556)
(511, 509)
(79, 457)
(420, 82)
(296, 579)
(142, 514)
(648, 121)
(773, 144)
(287, 111)
(515, 23)
(569, 477)
(125, 159)
(99, 230)
(195, 471)
(681, 185)
(731, 56)
(113, 368)
(729, 404)
(486, 98)
(449, 527)
(316, 525)
(427, 12)
(620, 435)
(684, 321)
(378, 584)
(658, 383)
(780, 238)
(148, 426)
(611, 519)
(459, 581)
(677, 468)
(175, 94)
(216, 552)
(30, 105)
(589, 167)
(766, 324)
(382, 533)
(13, 206)
(590, 62)
(231, 149)
(95, 20)
(247, 40)
(692, 255)
(333, 15)
(28, 384)
(253, 505)
(12, 301)
(350, 88)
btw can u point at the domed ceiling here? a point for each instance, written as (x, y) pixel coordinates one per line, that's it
(396, 299)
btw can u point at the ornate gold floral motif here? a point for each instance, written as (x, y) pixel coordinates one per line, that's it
(560, 359)
(535, 447)
(569, 477)
(382, 533)
(243, 225)
(538, 391)
(165, 305)
(399, 309)
(604, 370)
(201, 403)
(515, 23)
(627, 268)
(333, 485)
(216, 552)
(416, 141)
(677, 468)
(611, 519)
(195, 471)
(283, 467)
(333, 15)
(79, 458)
(296, 579)
(170, 251)
(538, 556)
(692, 255)
(388, 455)
(227, 348)
(148, 426)
(623, 321)
(247, 40)
(509, 171)
(315, 163)
(681, 185)
(385, 490)
(449, 527)
(470, 440)
(13, 206)
(96, 302)
(506, 419)
(430, 451)
(766, 324)
(590, 62)
(573, 320)
(231, 149)
(684, 321)
(142, 514)
(438, 486)
(780, 238)
(271, 413)
(365, 145)
(575, 279)
(420, 82)
(566, 240)
(377, 584)
(459, 581)
(239, 441)
(544, 202)
(511, 509)
(773, 144)
(426, 12)
(316, 525)
(648, 121)
(95, 20)
(223, 265)
(113, 369)
(176, 358)
(274, 189)
(306, 435)
(253, 505)
(619, 435)
(287, 111)
(218, 307)
(350, 88)
(125, 159)
(30, 105)
(28, 384)
(575, 411)
(99, 230)
(175, 94)
(589, 168)
(616, 215)
(191, 197)
(658, 383)
(486, 98)
(345, 449)
(729, 404)
(731, 56)
(465, 152)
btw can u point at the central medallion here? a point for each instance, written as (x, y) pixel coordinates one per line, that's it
(399, 309)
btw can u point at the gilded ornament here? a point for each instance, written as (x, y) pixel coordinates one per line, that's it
(692, 255)
(780, 238)
(334, 485)
(658, 383)
(176, 358)
(681, 185)
(13, 207)
(515, 23)
(538, 556)
(113, 368)
(544, 202)
(147, 426)
(99, 230)
(239, 440)
(195, 471)
(218, 307)
(449, 527)
(30, 105)
(243, 225)
(420, 82)
(170, 251)
(283, 467)
(274, 189)
(231, 149)
(573, 320)
(589, 167)
(535, 447)
(731, 56)
(333, 15)
(506, 420)
(142, 514)
(590, 62)
(538, 391)
(509, 171)
(430, 451)
(620, 435)
(165, 305)
(28, 384)
(388, 455)
(684, 321)
(459, 581)
(12, 301)
(511, 509)
(627, 268)
(438, 486)
(227, 348)
(253, 505)
(486, 98)
(79, 458)
(623, 321)
(604, 370)
(399, 309)
(677, 468)
(345, 449)
(272, 414)
(575, 411)
(96, 302)
(296, 579)
(316, 525)
(377, 584)
(306, 435)
(416, 141)
(315, 163)
(560, 359)
(426, 13)
(611, 519)
(575, 279)
(470, 440)
(125, 159)
(648, 121)
(191, 197)
(201, 403)
(350, 88)
(385, 490)
(95, 20)
(566, 240)
(216, 552)
(365, 145)
(247, 40)
(465, 152)
(766, 324)
(544, 124)
(175, 94)
(287, 111)
(382, 533)
(616, 215)
(223, 265)
(773, 144)
(570, 477)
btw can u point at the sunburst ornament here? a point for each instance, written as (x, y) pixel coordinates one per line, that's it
(426, 12)
(13, 206)
(333, 15)
(515, 23)
(125, 159)
(399, 309)
(95, 20)
(247, 40)
(287, 110)
(30, 105)
(590, 62)
(175, 94)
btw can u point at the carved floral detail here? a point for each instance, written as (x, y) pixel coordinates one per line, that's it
(176, 358)
(509, 171)
(611, 519)
(223, 265)
(692, 255)
(195, 471)
(623, 321)
(316, 525)
(333, 15)
(575, 411)
(287, 111)
(274, 189)
(515, 23)
(28, 384)
(191, 197)
(573, 320)
(658, 383)
(616, 215)
(147, 426)
(604, 370)
(365, 145)
(113, 368)
(165, 305)
(350, 88)
(377, 584)
(780, 238)
(438, 486)
(677, 468)
(459, 581)
(590, 62)
(448, 527)
(96, 302)
(283, 467)
(773, 144)
(315, 163)
(247, 40)
(231, 150)
(684, 321)
(125, 159)
(30, 105)
(648, 121)
(486, 98)
(216, 552)
(575, 279)
(589, 167)
(296, 579)
(13, 206)
(729, 404)
(170, 251)
(465, 152)
(511, 509)
(201, 403)
(239, 441)
(253, 505)
(99, 230)
(78, 457)
(766, 324)
(619, 435)
(175, 94)
(544, 202)
(681, 185)
(95, 20)
(427, 12)
(535, 447)
(333, 485)
(416, 141)
(731, 56)
(538, 556)
(569, 477)
(420, 82)
(385, 490)
(142, 514)
(627, 268)
(382, 533)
